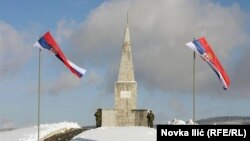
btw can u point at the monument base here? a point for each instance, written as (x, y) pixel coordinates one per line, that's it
(112, 117)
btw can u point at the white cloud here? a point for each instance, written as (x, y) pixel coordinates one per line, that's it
(64, 83)
(14, 51)
(159, 31)
(67, 82)
(64, 30)
(241, 77)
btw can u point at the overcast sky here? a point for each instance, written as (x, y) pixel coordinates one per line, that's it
(91, 35)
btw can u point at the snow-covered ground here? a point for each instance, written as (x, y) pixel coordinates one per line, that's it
(181, 122)
(99, 134)
(118, 134)
(30, 134)
(133, 133)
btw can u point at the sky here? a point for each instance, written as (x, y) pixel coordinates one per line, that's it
(91, 34)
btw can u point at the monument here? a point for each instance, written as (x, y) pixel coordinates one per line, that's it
(125, 112)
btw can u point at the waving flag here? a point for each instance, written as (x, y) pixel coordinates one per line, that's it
(201, 47)
(47, 42)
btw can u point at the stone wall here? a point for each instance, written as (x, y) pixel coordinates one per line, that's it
(125, 118)
(113, 117)
(140, 117)
(108, 117)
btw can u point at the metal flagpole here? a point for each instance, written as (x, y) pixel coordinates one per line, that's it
(194, 87)
(194, 56)
(39, 91)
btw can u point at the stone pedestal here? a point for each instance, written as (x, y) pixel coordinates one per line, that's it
(111, 117)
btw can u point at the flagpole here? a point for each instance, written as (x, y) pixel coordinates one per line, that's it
(194, 88)
(194, 56)
(39, 92)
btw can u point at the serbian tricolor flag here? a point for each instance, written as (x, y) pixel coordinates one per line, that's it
(201, 47)
(47, 42)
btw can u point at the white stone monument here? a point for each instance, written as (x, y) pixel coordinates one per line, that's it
(125, 112)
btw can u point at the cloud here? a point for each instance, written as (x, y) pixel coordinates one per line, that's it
(178, 106)
(64, 30)
(67, 82)
(159, 31)
(14, 51)
(64, 83)
(93, 78)
(241, 77)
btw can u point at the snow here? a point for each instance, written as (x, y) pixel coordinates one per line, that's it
(181, 122)
(130, 133)
(30, 134)
(134, 133)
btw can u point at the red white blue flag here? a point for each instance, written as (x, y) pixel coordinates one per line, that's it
(201, 47)
(47, 42)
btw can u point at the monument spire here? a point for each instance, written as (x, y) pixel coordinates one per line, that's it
(126, 71)
(127, 36)
(126, 86)
(127, 18)
(125, 112)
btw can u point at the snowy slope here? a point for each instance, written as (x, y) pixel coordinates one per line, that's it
(30, 134)
(118, 134)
